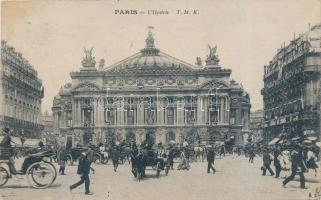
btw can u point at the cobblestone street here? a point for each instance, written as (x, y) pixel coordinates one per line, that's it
(234, 179)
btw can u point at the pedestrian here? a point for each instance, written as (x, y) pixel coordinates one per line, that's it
(267, 163)
(115, 154)
(171, 155)
(8, 153)
(251, 154)
(222, 151)
(62, 159)
(234, 152)
(83, 170)
(311, 161)
(276, 162)
(183, 165)
(210, 160)
(297, 167)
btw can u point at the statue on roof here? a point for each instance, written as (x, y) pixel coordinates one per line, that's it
(212, 58)
(88, 60)
(102, 63)
(199, 61)
(150, 39)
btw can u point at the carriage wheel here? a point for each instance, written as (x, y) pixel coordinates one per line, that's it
(41, 175)
(55, 170)
(4, 176)
(70, 161)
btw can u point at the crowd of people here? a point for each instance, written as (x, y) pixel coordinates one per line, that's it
(292, 157)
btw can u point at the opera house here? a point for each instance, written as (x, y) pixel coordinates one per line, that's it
(151, 95)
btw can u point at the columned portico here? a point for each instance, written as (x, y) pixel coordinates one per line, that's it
(152, 94)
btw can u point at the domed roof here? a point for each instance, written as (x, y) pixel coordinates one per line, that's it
(150, 58)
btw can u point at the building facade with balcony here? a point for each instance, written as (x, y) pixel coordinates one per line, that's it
(21, 94)
(256, 125)
(291, 92)
(151, 95)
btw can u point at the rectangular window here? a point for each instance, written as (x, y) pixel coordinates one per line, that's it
(170, 116)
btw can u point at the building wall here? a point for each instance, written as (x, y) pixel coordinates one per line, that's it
(256, 125)
(22, 92)
(291, 92)
(202, 103)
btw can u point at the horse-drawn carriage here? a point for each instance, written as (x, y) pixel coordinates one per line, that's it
(73, 154)
(148, 158)
(39, 172)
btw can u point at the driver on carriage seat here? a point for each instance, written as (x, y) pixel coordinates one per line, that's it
(6, 144)
(147, 146)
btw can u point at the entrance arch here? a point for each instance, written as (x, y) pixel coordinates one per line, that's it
(170, 136)
(130, 137)
(150, 137)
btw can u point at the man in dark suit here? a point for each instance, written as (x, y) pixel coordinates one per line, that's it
(267, 163)
(210, 160)
(83, 170)
(115, 155)
(297, 167)
(277, 163)
(9, 152)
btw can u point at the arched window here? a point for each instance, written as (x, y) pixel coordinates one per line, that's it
(170, 136)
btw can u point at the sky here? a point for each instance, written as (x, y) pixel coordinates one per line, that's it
(52, 34)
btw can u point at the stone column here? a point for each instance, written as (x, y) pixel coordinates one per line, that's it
(246, 119)
(78, 112)
(141, 114)
(238, 116)
(159, 112)
(222, 111)
(125, 115)
(179, 112)
(227, 110)
(101, 113)
(122, 119)
(82, 116)
(95, 113)
(134, 115)
(199, 112)
(175, 115)
(119, 110)
(165, 118)
(138, 113)
(205, 103)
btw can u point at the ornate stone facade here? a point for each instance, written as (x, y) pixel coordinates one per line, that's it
(21, 94)
(291, 92)
(152, 95)
(256, 125)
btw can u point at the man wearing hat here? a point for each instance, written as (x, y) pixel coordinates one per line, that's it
(83, 170)
(210, 159)
(297, 166)
(267, 162)
(6, 144)
(6, 141)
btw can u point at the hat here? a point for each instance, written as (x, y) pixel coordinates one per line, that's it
(84, 153)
